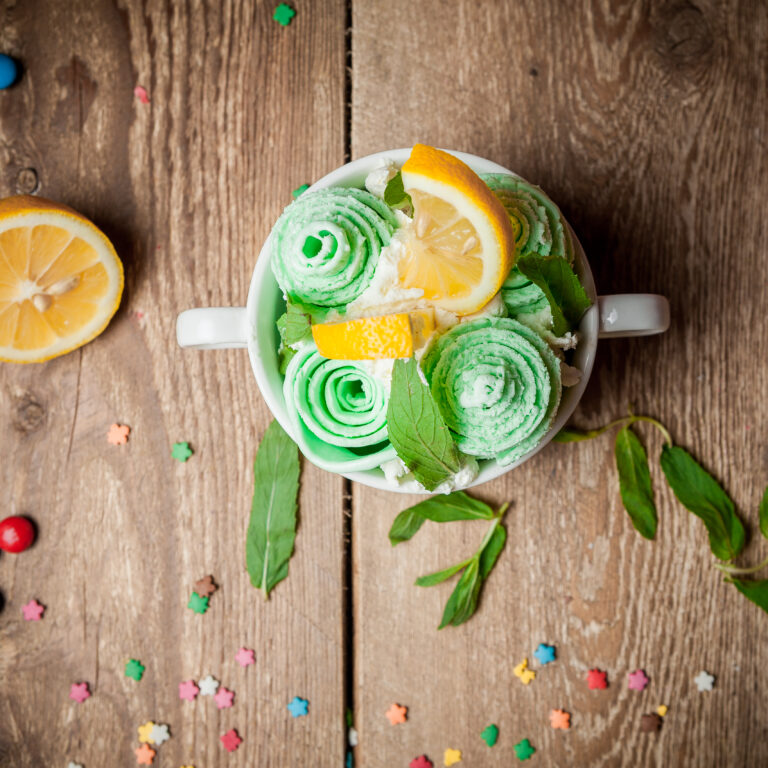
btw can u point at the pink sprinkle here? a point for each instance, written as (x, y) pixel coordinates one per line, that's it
(188, 690)
(223, 698)
(32, 611)
(141, 94)
(79, 692)
(244, 657)
(638, 680)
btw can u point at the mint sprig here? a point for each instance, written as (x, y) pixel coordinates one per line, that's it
(695, 488)
(395, 195)
(462, 602)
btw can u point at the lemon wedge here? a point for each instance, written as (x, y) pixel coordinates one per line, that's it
(461, 247)
(375, 338)
(60, 280)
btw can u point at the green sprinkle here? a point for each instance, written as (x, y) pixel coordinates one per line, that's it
(134, 669)
(304, 187)
(181, 451)
(198, 604)
(490, 734)
(523, 749)
(283, 14)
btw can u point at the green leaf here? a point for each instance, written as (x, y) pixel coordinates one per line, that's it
(294, 326)
(763, 512)
(439, 576)
(568, 435)
(565, 294)
(416, 428)
(463, 600)
(272, 526)
(635, 482)
(395, 195)
(702, 495)
(492, 550)
(439, 509)
(756, 591)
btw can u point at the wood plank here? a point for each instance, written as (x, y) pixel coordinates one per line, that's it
(242, 111)
(647, 123)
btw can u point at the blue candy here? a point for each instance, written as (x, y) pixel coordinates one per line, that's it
(8, 71)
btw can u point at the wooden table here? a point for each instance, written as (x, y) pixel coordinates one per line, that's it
(647, 122)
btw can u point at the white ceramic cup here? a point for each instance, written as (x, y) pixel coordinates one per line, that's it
(253, 326)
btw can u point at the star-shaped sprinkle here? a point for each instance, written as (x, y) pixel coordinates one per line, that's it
(144, 754)
(490, 734)
(134, 669)
(118, 434)
(523, 749)
(299, 191)
(704, 681)
(544, 653)
(74, 765)
(181, 452)
(160, 734)
(662, 710)
(244, 657)
(33, 611)
(145, 732)
(525, 674)
(231, 740)
(283, 14)
(206, 586)
(208, 686)
(352, 737)
(141, 94)
(79, 692)
(188, 690)
(451, 757)
(198, 604)
(560, 719)
(422, 761)
(298, 707)
(637, 680)
(396, 714)
(597, 680)
(223, 698)
(650, 723)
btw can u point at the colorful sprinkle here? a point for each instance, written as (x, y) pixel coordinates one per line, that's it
(597, 680)
(160, 734)
(231, 740)
(283, 14)
(198, 604)
(490, 734)
(560, 719)
(145, 732)
(118, 434)
(181, 452)
(662, 710)
(223, 698)
(451, 757)
(79, 692)
(422, 761)
(9, 71)
(638, 680)
(208, 686)
(141, 94)
(298, 707)
(396, 714)
(206, 586)
(144, 754)
(650, 723)
(244, 657)
(525, 674)
(544, 654)
(33, 611)
(704, 681)
(188, 690)
(134, 669)
(523, 749)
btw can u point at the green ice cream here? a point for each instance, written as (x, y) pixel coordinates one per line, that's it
(522, 296)
(337, 400)
(536, 220)
(497, 384)
(326, 244)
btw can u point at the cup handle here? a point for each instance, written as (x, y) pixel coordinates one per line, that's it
(212, 328)
(632, 314)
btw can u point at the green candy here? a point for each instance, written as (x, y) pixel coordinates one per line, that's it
(539, 225)
(497, 385)
(337, 400)
(326, 244)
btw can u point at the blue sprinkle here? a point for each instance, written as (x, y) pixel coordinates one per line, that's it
(9, 71)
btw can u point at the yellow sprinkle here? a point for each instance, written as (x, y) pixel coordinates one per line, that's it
(520, 668)
(145, 732)
(527, 676)
(662, 710)
(452, 756)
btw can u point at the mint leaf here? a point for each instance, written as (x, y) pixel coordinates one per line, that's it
(416, 428)
(569, 435)
(439, 509)
(491, 551)
(763, 512)
(702, 495)
(272, 525)
(635, 482)
(294, 325)
(463, 600)
(439, 576)
(567, 297)
(756, 591)
(395, 195)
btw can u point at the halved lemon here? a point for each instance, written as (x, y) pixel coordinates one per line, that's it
(462, 245)
(60, 280)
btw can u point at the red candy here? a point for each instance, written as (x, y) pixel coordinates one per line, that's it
(16, 534)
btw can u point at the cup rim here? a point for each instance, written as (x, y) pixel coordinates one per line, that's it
(353, 174)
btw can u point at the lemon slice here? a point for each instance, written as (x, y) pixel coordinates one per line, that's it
(462, 246)
(375, 338)
(60, 280)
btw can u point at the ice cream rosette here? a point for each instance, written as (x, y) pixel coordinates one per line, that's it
(326, 244)
(536, 220)
(497, 385)
(339, 411)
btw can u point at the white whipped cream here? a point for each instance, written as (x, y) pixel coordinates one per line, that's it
(569, 375)
(376, 180)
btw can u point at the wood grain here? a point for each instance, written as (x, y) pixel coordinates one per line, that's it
(242, 111)
(647, 122)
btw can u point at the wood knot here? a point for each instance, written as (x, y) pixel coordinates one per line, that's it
(683, 36)
(27, 181)
(30, 413)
